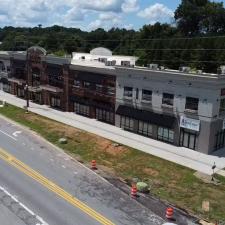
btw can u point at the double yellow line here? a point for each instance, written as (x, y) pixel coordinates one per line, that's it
(53, 187)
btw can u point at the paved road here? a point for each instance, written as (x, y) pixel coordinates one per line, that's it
(59, 190)
(183, 156)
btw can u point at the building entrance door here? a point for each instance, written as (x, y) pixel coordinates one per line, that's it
(188, 139)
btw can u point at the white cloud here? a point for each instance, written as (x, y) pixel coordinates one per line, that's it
(129, 26)
(156, 13)
(106, 21)
(103, 13)
(130, 6)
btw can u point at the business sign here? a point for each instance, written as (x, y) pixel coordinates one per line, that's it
(190, 124)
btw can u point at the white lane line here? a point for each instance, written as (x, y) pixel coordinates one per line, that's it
(42, 222)
(8, 135)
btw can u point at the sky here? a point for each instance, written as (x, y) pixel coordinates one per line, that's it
(87, 14)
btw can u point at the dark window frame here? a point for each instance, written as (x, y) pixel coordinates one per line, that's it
(191, 103)
(146, 95)
(128, 92)
(168, 99)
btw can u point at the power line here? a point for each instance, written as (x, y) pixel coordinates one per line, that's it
(129, 39)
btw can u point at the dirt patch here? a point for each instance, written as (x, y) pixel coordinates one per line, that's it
(109, 147)
(151, 172)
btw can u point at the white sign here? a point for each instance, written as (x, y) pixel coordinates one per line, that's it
(190, 124)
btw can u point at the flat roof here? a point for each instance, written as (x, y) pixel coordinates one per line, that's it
(170, 71)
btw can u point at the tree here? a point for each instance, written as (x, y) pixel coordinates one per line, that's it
(196, 17)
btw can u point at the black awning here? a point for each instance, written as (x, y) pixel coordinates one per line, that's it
(147, 116)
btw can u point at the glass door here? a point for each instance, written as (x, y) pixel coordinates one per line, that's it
(188, 139)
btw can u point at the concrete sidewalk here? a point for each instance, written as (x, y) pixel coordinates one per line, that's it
(179, 155)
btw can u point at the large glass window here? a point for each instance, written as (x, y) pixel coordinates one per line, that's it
(222, 105)
(219, 143)
(128, 92)
(111, 90)
(165, 134)
(126, 123)
(105, 116)
(82, 109)
(55, 102)
(147, 95)
(145, 128)
(21, 92)
(167, 99)
(99, 88)
(77, 83)
(87, 84)
(191, 103)
(6, 87)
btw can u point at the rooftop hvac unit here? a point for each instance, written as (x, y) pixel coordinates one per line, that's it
(152, 66)
(125, 63)
(184, 69)
(110, 63)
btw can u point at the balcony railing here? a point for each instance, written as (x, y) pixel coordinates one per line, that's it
(93, 94)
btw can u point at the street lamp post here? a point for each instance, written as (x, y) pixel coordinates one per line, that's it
(213, 169)
(27, 96)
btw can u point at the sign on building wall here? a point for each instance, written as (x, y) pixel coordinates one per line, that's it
(190, 124)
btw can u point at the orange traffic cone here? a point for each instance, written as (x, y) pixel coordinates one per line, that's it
(93, 165)
(169, 213)
(134, 191)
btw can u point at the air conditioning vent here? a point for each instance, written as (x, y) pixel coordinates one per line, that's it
(184, 69)
(110, 63)
(199, 71)
(221, 70)
(152, 66)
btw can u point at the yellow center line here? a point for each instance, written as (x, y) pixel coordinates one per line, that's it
(10, 159)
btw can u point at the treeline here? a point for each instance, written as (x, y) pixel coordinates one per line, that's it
(196, 39)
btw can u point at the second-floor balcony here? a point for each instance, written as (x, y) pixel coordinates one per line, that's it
(93, 94)
(4, 74)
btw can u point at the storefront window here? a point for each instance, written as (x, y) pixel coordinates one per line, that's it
(145, 128)
(6, 87)
(165, 134)
(55, 102)
(104, 115)
(220, 136)
(81, 109)
(222, 105)
(126, 123)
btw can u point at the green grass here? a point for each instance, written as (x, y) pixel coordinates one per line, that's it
(169, 181)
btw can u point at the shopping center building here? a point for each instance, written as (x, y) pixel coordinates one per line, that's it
(182, 107)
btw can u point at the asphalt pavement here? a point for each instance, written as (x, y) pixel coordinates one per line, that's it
(58, 189)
